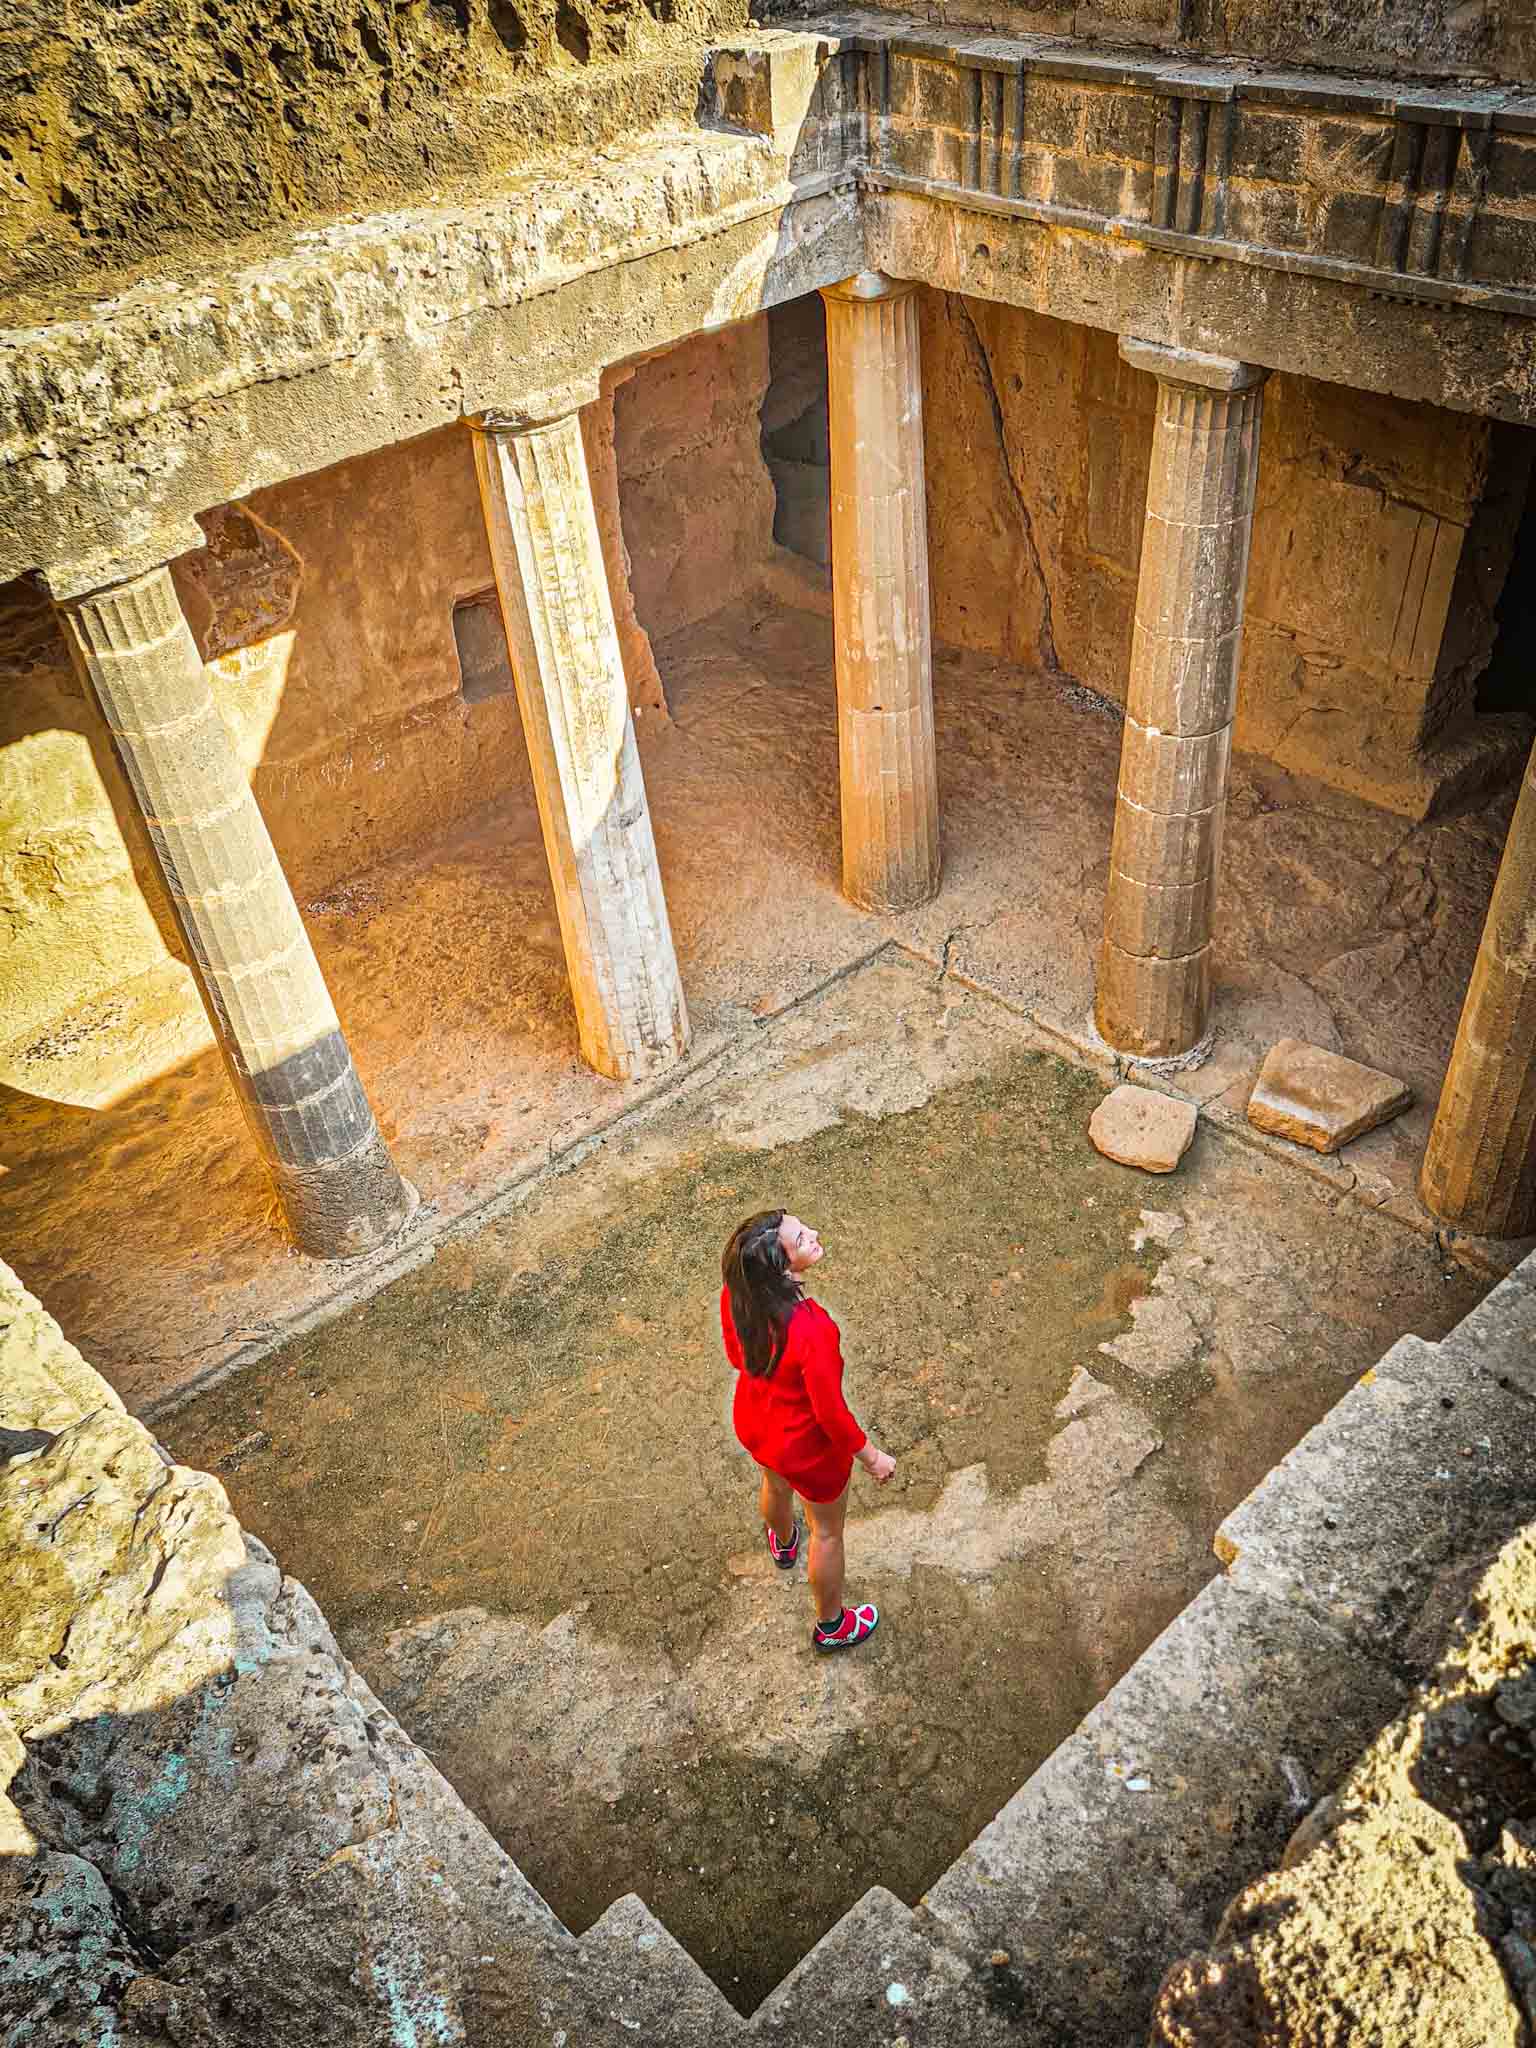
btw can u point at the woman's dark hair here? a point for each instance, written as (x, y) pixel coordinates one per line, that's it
(764, 1294)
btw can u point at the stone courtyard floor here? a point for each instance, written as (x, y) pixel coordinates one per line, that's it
(147, 1226)
(511, 1482)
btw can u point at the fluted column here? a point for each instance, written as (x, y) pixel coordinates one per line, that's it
(1480, 1164)
(548, 560)
(880, 610)
(265, 995)
(1154, 986)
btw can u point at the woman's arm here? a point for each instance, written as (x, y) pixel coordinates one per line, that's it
(823, 1371)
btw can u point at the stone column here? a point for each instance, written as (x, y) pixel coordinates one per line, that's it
(548, 560)
(1154, 966)
(266, 998)
(1480, 1165)
(880, 610)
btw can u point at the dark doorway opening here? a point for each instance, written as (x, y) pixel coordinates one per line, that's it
(796, 447)
(1508, 683)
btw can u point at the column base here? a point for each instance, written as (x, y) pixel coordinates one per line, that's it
(348, 1207)
(1153, 1009)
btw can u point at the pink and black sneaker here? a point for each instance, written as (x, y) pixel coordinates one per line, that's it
(785, 1555)
(853, 1626)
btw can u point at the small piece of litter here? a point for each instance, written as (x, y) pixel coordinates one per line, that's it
(1138, 1784)
(999, 1959)
(897, 1994)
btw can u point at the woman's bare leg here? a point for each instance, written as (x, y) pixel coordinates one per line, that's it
(826, 1562)
(777, 1502)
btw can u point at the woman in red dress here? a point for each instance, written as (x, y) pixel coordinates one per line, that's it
(789, 1410)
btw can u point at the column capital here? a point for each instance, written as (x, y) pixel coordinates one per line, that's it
(1173, 365)
(536, 409)
(95, 573)
(867, 285)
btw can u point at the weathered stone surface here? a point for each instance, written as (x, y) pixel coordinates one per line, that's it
(1160, 904)
(1415, 1476)
(1480, 1163)
(1182, 1779)
(1321, 1099)
(336, 113)
(547, 554)
(875, 1975)
(211, 1827)
(1405, 1906)
(1142, 1127)
(66, 1960)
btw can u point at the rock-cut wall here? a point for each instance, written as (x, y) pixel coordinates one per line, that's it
(135, 133)
(1379, 545)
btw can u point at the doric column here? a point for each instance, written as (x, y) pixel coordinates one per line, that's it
(266, 998)
(880, 611)
(1480, 1165)
(548, 559)
(1154, 966)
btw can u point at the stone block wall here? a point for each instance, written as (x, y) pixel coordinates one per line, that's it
(1408, 38)
(1039, 438)
(696, 496)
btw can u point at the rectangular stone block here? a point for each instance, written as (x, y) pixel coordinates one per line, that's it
(1501, 251)
(1269, 146)
(1320, 1099)
(1353, 155)
(1512, 172)
(1427, 1464)
(1053, 112)
(1268, 216)
(1092, 186)
(1351, 226)
(1119, 124)
(932, 95)
(919, 152)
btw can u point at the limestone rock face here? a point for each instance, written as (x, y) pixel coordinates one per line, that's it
(1321, 1099)
(1141, 1127)
(1405, 1908)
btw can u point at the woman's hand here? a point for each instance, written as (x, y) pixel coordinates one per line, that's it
(878, 1464)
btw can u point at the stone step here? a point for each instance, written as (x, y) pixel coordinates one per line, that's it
(1380, 1515)
(1187, 1779)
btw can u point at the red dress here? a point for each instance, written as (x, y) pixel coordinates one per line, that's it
(796, 1421)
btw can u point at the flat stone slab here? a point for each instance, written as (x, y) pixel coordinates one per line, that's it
(1320, 1098)
(1140, 1127)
